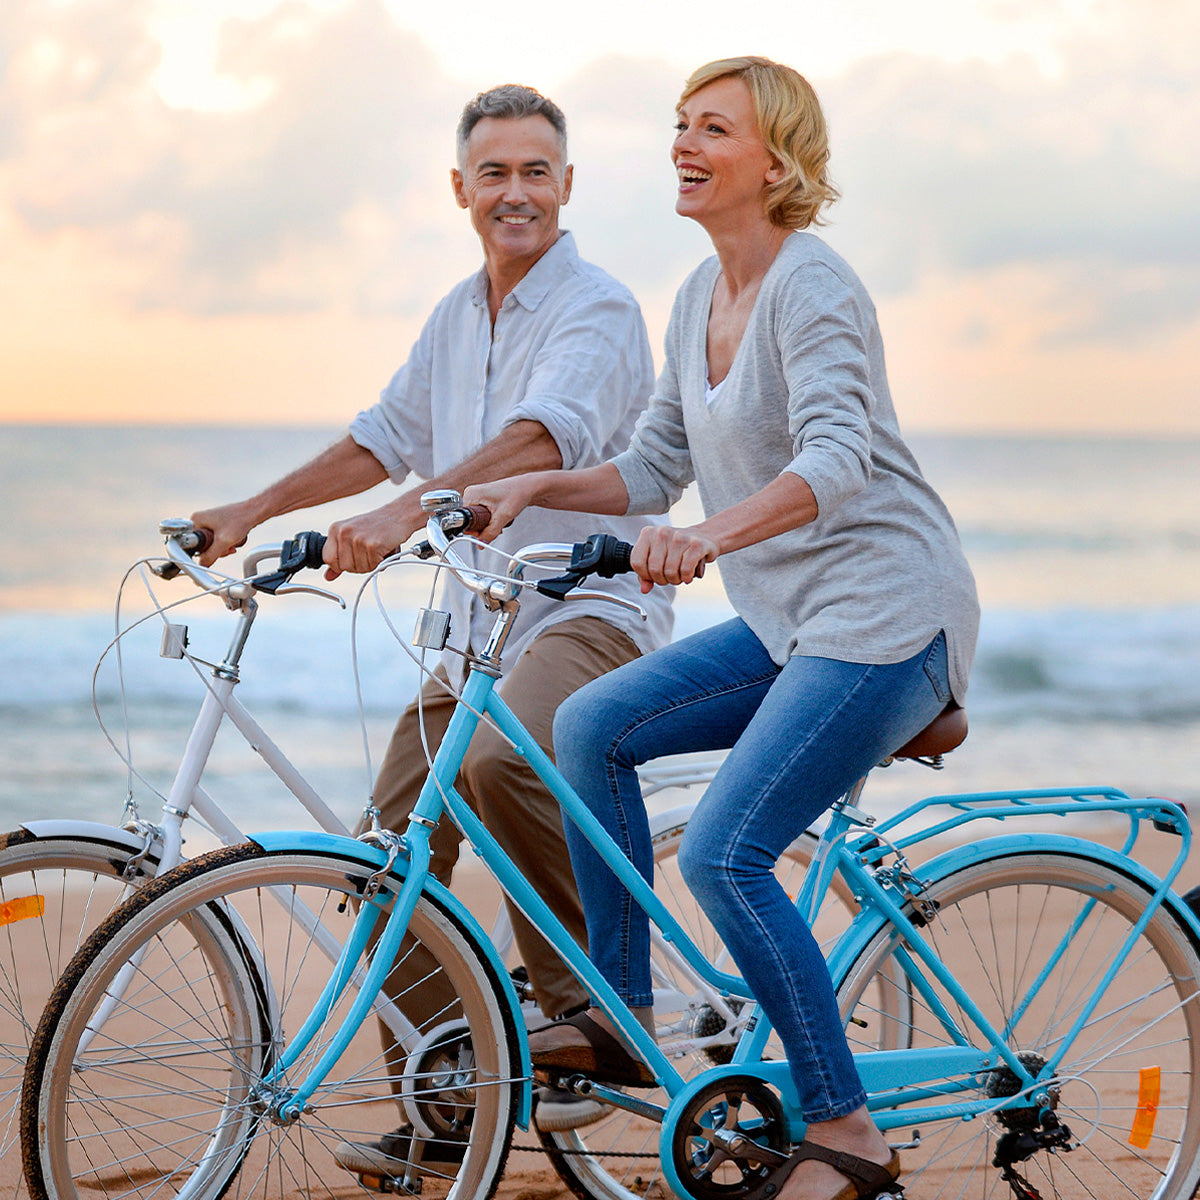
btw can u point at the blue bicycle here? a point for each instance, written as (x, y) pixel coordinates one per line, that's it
(1025, 1006)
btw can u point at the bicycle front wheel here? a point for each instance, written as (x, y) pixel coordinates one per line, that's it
(54, 892)
(1030, 938)
(152, 1071)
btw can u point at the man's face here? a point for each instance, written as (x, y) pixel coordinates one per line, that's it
(513, 183)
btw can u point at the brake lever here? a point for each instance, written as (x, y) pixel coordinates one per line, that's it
(608, 598)
(602, 554)
(288, 589)
(304, 550)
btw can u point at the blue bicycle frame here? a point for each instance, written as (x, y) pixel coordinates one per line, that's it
(895, 1079)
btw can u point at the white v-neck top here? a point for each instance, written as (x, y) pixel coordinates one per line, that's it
(881, 569)
(712, 390)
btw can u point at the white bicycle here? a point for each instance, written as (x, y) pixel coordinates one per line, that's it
(60, 878)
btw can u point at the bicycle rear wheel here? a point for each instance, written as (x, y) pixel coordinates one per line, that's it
(54, 891)
(1029, 936)
(226, 955)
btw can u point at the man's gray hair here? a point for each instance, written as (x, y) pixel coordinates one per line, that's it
(510, 102)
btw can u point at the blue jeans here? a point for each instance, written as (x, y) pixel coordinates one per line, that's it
(798, 738)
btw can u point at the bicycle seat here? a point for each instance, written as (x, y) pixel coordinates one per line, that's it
(947, 730)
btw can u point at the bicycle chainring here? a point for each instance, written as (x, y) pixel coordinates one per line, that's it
(729, 1140)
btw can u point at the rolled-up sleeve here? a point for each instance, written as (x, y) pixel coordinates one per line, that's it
(591, 374)
(398, 429)
(821, 334)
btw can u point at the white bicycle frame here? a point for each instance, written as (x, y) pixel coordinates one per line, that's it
(163, 840)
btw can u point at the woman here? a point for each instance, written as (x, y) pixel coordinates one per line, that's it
(856, 609)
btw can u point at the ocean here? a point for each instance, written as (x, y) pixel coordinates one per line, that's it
(1086, 551)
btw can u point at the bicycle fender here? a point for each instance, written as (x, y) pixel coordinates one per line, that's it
(372, 856)
(867, 924)
(87, 831)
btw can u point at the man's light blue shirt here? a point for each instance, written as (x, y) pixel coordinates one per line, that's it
(569, 350)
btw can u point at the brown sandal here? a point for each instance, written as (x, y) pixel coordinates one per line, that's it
(603, 1058)
(867, 1180)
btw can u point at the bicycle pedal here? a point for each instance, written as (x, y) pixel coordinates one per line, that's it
(390, 1185)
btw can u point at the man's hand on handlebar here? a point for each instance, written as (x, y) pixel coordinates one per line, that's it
(359, 544)
(230, 526)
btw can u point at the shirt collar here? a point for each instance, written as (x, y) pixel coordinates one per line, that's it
(558, 262)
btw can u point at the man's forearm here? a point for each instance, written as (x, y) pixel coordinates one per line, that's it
(518, 448)
(361, 543)
(345, 469)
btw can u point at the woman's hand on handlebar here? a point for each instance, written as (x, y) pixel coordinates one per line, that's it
(666, 555)
(506, 498)
(597, 489)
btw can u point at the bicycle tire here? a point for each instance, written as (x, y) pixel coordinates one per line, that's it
(199, 1030)
(618, 1157)
(54, 891)
(999, 924)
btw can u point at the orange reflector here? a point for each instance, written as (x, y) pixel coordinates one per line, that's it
(1149, 1079)
(21, 909)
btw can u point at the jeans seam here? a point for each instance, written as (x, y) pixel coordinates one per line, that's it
(827, 1082)
(610, 770)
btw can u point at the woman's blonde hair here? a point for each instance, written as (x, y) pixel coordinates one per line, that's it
(792, 127)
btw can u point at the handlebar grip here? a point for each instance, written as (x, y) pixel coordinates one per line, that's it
(617, 559)
(466, 518)
(479, 517)
(196, 541)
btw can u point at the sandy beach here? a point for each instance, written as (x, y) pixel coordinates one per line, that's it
(528, 1175)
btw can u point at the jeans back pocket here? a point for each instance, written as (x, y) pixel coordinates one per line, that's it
(937, 667)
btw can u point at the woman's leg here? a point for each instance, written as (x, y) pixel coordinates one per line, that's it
(696, 694)
(822, 725)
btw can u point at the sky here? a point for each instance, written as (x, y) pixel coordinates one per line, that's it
(240, 212)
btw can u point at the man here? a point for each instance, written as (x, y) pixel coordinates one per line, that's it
(538, 361)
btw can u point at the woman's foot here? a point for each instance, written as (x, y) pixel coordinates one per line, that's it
(844, 1159)
(588, 1044)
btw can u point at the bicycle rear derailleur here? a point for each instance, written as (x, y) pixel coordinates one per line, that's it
(1017, 1145)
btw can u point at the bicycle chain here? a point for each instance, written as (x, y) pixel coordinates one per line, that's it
(586, 1153)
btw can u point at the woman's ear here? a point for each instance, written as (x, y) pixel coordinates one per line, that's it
(776, 171)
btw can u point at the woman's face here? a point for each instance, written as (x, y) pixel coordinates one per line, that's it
(720, 160)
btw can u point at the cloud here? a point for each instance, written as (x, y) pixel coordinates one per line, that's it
(232, 211)
(621, 110)
(975, 166)
(329, 189)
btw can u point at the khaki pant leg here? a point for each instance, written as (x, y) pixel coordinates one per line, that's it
(518, 810)
(510, 800)
(416, 984)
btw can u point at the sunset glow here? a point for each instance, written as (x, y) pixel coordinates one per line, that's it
(220, 212)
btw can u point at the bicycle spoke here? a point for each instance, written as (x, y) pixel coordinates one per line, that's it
(1031, 938)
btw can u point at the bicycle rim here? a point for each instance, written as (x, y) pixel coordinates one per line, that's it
(1128, 1087)
(618, 1158)
(166, 1099)
(53, 893)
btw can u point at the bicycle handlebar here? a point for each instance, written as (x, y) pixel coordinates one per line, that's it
(602, 554)
(196, 540)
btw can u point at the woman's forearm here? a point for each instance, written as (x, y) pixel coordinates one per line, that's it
(787, 502)
(593, 489)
